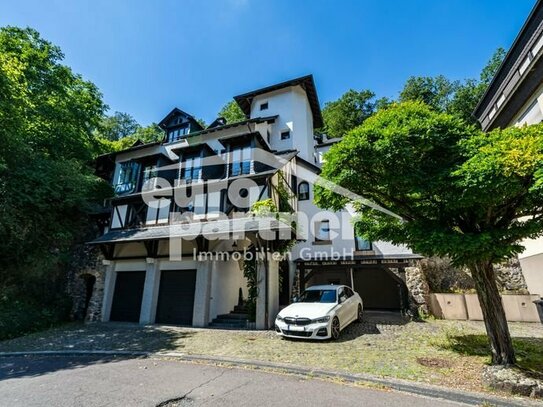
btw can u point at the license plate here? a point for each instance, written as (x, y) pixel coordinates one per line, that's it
(296, 328)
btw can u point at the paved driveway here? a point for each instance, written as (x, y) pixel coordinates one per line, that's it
(95, 381)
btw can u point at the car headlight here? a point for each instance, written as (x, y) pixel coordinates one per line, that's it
(279, 318)
(322, 319)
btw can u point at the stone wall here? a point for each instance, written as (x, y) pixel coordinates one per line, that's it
(443, 277)
(86, 276)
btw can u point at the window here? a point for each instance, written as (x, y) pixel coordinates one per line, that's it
(322, 296)
(150, 174)
(362, 244)
(191, 168)
(322, 231)
(264, 106)
(241, 161)
(177, 134)
(303, 191)
(128, 176)
(285, 135)
(349, 292)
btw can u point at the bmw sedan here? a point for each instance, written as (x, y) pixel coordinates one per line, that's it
(321, 312)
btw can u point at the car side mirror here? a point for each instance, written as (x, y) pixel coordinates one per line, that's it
(295, 298)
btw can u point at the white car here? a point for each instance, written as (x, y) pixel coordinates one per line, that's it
(321, 312)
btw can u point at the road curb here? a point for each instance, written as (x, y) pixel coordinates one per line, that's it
(394, 384)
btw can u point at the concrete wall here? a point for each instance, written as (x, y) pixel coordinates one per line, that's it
(518, 308)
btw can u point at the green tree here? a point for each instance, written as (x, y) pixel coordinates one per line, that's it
(47, 114)
(348, 112)
(436, 92)
(232, 112)
(117, 126)
(459, 192)
(456, 97)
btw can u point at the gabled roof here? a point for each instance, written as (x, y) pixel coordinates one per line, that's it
(306, 82)
(175, 112)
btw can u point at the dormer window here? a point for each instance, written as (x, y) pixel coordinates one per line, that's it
(264, 106)
(285, 135)
(178, 133)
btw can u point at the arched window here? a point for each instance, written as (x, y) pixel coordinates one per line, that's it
(303, 191)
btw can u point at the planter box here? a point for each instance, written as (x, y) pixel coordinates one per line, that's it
(448, 306)
(518, 308)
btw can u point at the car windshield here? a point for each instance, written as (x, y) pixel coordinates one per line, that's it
(326, 296)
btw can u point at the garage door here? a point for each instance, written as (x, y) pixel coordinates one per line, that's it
(380, 289)
(176, 297)
(127, 296)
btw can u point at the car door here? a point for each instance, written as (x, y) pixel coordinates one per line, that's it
(343, 307)
(352, 304)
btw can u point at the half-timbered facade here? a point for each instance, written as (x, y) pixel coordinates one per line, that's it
(182, 211)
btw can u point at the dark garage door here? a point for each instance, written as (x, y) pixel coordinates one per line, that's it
(176, 297)
(380, 289)
(127, 296)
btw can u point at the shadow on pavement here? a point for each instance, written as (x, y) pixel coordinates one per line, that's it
(13, 367)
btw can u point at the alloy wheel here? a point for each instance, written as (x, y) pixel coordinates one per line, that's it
(335, 328)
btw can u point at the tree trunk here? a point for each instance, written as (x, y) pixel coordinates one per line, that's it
(497, 330)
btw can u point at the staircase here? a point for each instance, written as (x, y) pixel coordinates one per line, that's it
(236, 319)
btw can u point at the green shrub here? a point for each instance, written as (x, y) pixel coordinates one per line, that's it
(22, 317)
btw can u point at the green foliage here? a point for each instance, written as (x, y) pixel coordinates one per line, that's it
(47, 114)
(436, 92)
(232, 112)
(117, 126)
(348, 112)
(21, 317)
(455, 97)
(460, 192)
(264, 207)
(250, 273)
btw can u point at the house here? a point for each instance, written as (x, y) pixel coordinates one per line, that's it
(180, 224)
(515, 98)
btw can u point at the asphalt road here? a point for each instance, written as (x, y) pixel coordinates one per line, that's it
(101, 381)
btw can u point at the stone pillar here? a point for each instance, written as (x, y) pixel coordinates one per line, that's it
(109, 288)
(202, 293)
(273, 294)
(150, 291)
(418, 290)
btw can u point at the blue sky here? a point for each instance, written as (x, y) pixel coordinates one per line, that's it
(149, 56)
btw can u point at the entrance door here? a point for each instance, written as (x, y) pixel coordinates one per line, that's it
(127, 296)
(176, 297)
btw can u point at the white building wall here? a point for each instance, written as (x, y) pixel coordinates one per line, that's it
(226, 280)
(292, 107)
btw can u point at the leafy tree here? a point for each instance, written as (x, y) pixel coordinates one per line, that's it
(348, 112)
(232, 112)
(460, 193)
(47, 114)
(117, 126)
(456, 97)
(147, 134)
(436, 92)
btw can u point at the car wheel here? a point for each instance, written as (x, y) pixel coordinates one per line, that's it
(335, 330)
(359, 315)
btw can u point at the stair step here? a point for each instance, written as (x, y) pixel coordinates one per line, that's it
(227, 326)
(229, 321)
(233, 316)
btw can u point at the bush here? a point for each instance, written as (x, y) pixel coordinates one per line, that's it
(22, 317)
